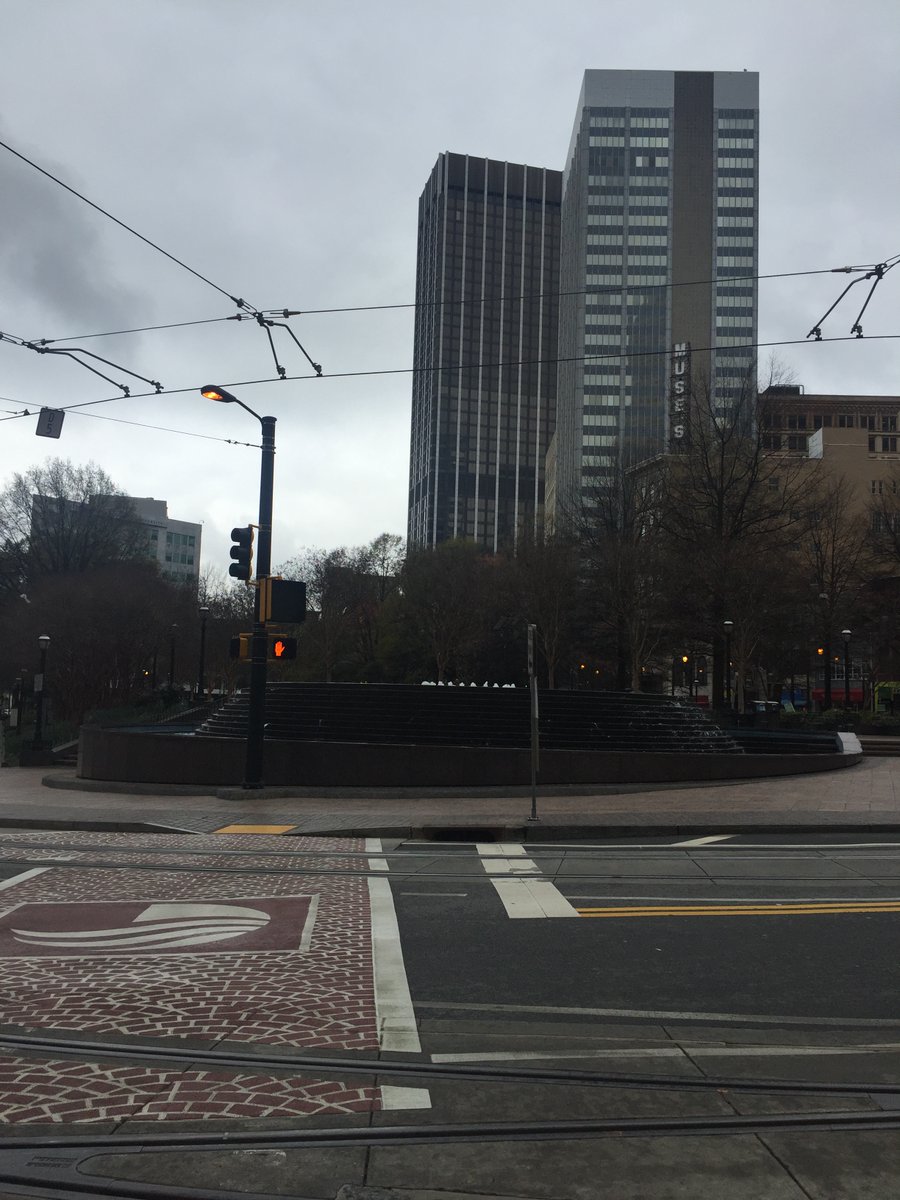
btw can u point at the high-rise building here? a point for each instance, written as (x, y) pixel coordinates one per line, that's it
(484, 386)
(658, 264)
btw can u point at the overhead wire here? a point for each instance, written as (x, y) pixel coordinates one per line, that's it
(122, 224)
(464, 367)
(595, 289)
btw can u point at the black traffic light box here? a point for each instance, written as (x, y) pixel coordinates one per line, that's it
(282, 601)
(242, 552)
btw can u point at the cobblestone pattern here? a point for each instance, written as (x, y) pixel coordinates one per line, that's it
(60, 1091)
(188, 841)
(205, 861)
(323, 997)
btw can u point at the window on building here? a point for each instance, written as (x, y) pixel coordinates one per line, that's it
(845, 420)
(888, 424)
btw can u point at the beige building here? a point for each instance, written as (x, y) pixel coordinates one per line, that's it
(855, 437)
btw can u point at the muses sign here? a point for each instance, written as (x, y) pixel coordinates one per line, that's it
(679, 395)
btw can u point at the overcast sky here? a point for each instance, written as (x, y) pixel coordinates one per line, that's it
(279, 148)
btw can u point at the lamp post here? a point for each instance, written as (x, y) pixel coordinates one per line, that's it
(172, 655)
(256, 718)
(728, 627)
(201, 682)
(846, 634)
(38, 743)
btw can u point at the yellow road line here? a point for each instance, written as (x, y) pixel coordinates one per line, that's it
(276, 829)
(747, 910)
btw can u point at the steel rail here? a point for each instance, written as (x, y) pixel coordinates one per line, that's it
(350, 1065)
(487, 1131)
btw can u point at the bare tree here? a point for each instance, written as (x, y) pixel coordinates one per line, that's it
(727, 502)
(545, 592)
(61, 518)
(619, 535)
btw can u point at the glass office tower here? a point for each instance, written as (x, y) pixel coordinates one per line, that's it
(659, 257)
(484, 387)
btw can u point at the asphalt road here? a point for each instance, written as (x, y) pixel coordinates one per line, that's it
(787, 927)
(711, 963)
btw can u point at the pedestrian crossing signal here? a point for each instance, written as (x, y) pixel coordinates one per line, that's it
(282, 648)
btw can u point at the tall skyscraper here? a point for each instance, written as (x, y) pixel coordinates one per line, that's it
(658, 263)
(484, 387)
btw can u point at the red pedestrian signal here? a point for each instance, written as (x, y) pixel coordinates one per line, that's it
(282, 648)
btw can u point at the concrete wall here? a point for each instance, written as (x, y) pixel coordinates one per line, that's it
(127, 756)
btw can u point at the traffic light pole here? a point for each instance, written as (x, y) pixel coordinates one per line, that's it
(256, 720)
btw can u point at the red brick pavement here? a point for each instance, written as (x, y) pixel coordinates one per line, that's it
(318, 994)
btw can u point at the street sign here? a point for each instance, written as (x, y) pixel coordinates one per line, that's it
(50, 422)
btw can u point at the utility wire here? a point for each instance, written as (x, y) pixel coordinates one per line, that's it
(30, 162)
(883, 337)
(83, 337)
(594, 290)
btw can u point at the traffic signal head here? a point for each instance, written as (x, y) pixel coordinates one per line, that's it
(242, 552)
(282, 648)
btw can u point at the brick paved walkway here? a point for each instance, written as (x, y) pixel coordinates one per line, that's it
(255, 956)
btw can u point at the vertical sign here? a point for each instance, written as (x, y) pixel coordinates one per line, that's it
(679, 395)
(50, 422)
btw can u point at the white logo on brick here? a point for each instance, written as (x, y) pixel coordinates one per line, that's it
(141, 927)
(168, 925)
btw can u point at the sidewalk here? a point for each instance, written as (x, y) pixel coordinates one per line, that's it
(862, 798)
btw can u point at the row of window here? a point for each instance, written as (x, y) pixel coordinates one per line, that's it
(634, 239)
(617, 140)
(887, 424)
(617, 124)
(736, 143)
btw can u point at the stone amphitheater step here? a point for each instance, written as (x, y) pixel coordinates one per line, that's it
(397, 714)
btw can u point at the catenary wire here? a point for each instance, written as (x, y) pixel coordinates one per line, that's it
(73, 191)
(594, 290)
(881, 337)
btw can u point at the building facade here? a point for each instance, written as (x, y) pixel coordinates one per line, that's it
(484, 382)
(174, 545)
(659, 257)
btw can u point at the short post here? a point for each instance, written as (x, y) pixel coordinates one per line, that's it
(535, 748)
(728, 627)
(38, 743)
(846, 634)
(201, 670)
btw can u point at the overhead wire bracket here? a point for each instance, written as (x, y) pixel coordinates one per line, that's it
(876, 273)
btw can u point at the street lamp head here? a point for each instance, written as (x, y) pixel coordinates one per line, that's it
(204, 610)
(728, 626)
(213, 392)
(44, 641)
(846, 634)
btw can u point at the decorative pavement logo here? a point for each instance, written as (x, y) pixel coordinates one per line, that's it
(140, 928)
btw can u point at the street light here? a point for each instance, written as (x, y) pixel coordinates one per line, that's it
(38, 743)
(728, 626)
(256, 717)
(846, 634)
(201, 682)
